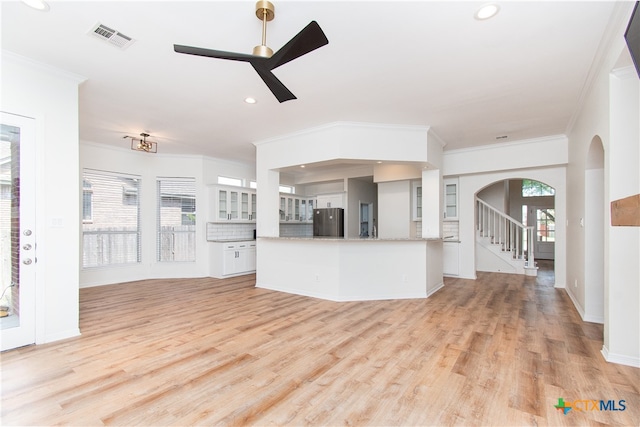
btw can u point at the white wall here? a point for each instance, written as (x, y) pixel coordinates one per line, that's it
(394, 210)
(594, 224)
(495, 196)
(610, 112)
(527, 154)
(50, 96)
(623, 305)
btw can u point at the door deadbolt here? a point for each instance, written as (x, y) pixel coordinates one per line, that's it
(27, 261)
(27, 247)
(27, 232)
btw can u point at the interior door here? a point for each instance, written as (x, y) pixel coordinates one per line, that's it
(17, 231)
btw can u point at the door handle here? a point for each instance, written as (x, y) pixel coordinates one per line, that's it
(27, 247)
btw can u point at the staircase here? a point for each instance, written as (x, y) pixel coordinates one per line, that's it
(502, 242)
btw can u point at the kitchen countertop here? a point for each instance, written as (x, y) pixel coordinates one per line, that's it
(356, 239)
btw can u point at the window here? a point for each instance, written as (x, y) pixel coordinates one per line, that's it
(87, 197)
(546, 225)
(112, 236)
(287, 189)
(225, 180)
(532, 188)
(253, 184)
(176, 236)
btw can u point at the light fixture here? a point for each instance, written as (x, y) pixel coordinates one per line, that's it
(37, 4)
(487, 11)
(250, 100)
(302, 166)
(143, 144)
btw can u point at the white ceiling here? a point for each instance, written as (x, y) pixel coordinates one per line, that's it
(520, 74)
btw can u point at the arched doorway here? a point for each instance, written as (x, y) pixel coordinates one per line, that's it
(530, 203)
(594, 229)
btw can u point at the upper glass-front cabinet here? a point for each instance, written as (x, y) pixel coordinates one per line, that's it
(296, 209)
(234, 205)
(451, 199)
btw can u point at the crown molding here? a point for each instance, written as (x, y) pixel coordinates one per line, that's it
(12, 57)
(496, 145)
(343, 124)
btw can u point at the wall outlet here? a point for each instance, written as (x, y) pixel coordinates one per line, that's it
(575, 283)
(404, 278)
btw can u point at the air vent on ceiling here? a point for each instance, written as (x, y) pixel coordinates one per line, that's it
(109, 35)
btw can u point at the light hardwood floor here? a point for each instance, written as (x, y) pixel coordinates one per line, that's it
(499, 350)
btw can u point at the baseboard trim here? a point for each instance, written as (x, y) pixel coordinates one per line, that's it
(61, 336)
(620, 359)
(593, 319)
(436, 289)
(577, 306)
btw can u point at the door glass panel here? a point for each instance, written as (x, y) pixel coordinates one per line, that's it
(17, 231)
(10, 225)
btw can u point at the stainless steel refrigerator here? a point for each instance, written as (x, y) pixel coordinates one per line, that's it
(328, 222)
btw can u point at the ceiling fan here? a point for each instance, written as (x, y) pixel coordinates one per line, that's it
(263, 60)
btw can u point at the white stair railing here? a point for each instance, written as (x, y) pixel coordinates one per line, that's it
(503, 230)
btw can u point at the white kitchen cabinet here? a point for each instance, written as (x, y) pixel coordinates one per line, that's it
(306, 209)
(233, 258)
(234, 204)
(296, 208)
(253, 202)
(250, 258)
(450, 199)
(450, 258)
(330, 201)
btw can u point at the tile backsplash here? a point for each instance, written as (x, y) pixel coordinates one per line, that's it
(296, 230)
(230, 231)
(449, 228)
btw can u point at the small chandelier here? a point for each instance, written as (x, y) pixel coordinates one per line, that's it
(143, 144)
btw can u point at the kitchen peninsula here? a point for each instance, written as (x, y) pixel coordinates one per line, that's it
(351, 269)
(404, 261)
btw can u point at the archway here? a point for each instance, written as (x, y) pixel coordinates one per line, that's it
(594, 229)
(526, 202)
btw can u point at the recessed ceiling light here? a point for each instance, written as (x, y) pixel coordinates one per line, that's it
(378, 162)
(302, 166)
(250, 100)
(487, 11)
(37, 4)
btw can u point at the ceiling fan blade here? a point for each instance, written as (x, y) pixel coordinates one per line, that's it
(310, 38)
(210, 53)
(277, 88)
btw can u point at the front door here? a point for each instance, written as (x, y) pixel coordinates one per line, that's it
(17, 231)
(545, 223)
